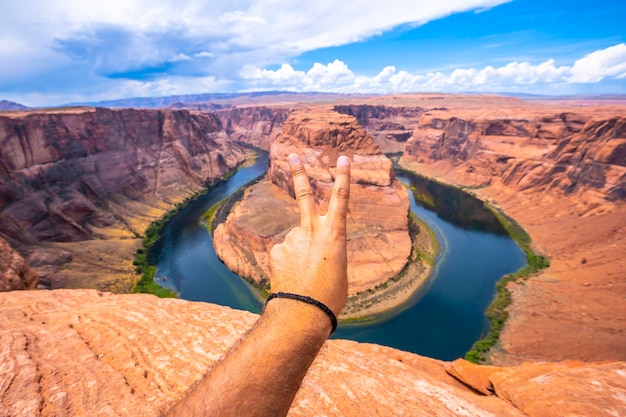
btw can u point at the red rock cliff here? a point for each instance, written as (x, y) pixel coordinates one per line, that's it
(390, 126)
(99, 174)
(566, 152)
(258, 126)
(560, 171)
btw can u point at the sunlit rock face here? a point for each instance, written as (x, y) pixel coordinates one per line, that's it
(87, 353)
(567, 153)
(57, 168)
(559, 169)
(378, 240)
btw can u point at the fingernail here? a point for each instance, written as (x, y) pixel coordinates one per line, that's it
(294, 159)
(343, 161)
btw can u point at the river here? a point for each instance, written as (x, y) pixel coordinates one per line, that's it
(441, 321)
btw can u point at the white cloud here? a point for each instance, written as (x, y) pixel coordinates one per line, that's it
(594, 67)
(515, 76)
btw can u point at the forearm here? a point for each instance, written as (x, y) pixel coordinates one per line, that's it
(261, 375)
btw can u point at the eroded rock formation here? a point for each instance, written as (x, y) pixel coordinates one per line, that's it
(378, 241)
(257, 126)
(97, 175)
(136, 355)
(560, 171)
(15, 273)
(390, 126)
(568, 152)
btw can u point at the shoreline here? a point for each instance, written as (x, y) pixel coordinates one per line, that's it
(144, 268)
(497, 312)
(393, 294)
(396, 292)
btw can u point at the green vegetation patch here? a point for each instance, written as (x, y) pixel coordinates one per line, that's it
(143, 265)
(496, 312)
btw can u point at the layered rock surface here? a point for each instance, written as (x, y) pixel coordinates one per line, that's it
(257, 126)
(98, 177)
(15, 273)
(567, 152)
(390, 126)
(378, 240)
(123, 364)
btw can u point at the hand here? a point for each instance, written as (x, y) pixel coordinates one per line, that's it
(312, 260)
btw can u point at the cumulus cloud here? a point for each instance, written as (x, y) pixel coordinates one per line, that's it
(337, 77)
(594, 67)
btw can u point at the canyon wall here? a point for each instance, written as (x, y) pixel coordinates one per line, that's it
(379, 244)
(136, 355)
(79, 186)
(257, 126)
(390, 126)
(561, 173)
(566, 152)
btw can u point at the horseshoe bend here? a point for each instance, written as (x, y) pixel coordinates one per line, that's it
(80, 186)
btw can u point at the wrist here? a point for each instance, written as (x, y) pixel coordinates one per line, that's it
(298, 316)
(307, 300)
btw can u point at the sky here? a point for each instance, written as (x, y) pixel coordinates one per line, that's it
(65, 51)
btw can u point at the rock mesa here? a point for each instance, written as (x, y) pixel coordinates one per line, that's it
(378, 241)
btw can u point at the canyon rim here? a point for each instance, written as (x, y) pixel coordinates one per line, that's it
(78, 185)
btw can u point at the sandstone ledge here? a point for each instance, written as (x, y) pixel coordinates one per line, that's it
(87, 353)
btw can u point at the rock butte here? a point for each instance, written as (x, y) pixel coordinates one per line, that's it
(556, 167)
(87, 353)
(378, 240)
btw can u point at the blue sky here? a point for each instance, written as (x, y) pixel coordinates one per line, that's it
(63, 51)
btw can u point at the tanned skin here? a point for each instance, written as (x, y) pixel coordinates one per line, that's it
(262, 373)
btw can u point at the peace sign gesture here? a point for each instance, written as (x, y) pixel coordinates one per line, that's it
(312, 260)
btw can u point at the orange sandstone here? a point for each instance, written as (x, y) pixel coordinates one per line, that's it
(379, 244)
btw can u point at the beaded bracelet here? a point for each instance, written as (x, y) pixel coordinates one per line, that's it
(308, 300)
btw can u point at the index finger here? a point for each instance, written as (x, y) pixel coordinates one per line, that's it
(303, 192)
(338, 206)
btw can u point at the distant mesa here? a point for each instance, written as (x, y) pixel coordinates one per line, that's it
(225, 100)
(11, 105)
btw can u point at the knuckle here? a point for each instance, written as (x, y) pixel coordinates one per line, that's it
(343, 170)
(298, 171)
(342, 193)
(303, 193)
